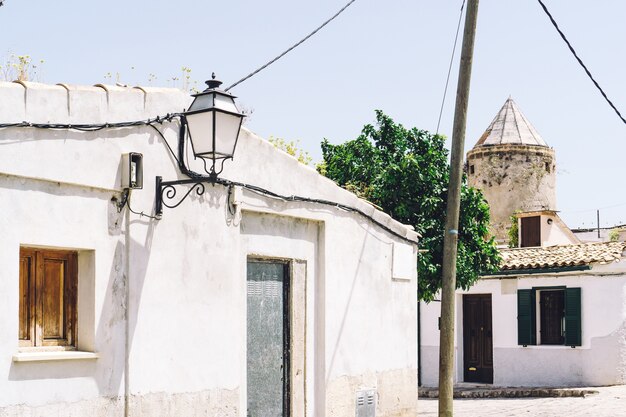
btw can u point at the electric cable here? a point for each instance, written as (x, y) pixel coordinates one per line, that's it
(228, 183)
(166, 142)
(571, 48)
(445, 90)
(294, 46)
(593, 209)
(100, 126)
(126, 194)
(262, 191)
(93, 127)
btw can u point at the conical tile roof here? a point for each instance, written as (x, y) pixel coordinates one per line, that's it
(510, 126)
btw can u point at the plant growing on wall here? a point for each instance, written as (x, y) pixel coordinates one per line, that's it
(405, 172)
(20, 68)
(513, 231)
(292, 148)
(615, 233)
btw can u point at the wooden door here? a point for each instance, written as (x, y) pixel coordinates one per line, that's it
(477, 339)
(268, 340)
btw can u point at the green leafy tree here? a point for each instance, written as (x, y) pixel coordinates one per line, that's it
(405, 172)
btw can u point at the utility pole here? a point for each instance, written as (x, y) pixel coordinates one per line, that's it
(446, 340)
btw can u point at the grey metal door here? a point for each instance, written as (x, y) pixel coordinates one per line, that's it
(268, 341)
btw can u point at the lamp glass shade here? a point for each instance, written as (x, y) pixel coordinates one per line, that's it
(200, 127)
(202, 102)
(225, 103)
(227, 127)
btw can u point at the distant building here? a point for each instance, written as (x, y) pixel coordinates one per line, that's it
(514, 168)
(555, 313)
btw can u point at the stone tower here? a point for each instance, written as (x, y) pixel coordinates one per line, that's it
(514, 168)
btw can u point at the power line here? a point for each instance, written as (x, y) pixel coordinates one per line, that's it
(160, 119)
(593, 209)
(95, 127)
(292, 47)
(262, 191)
(571, 48)
(445, 90)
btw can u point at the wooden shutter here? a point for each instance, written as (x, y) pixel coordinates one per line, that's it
(526, 328)
(48, 291)
(27, 297)
(573, 333)
(531, 231)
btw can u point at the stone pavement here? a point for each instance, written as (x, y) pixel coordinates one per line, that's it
(609, 401)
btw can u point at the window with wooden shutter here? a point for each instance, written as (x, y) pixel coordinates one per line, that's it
(531, 231)
(47, 307)
(526, 334)
(573, 331)
(556, 320)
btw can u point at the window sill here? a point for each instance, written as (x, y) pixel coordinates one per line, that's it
(555, 347)
(53, 356)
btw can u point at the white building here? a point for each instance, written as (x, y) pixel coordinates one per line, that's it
(555, 313)
(109, 313)
(553, 316)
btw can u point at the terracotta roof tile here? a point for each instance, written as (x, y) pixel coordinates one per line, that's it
(559, 256)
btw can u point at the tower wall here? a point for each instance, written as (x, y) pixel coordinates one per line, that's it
(513, 177)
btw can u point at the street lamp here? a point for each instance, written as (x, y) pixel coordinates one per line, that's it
(213, 122)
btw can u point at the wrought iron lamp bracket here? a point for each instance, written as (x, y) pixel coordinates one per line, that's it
(165, 191)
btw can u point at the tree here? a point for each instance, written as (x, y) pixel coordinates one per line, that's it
(405, 172)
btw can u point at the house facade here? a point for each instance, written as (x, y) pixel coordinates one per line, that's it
(553, 316)
(234, 303)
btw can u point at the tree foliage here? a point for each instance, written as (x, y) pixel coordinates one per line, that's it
(405, 172)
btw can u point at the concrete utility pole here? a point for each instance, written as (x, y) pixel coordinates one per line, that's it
(446, 340)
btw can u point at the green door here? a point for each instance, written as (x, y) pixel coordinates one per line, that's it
(268, 341)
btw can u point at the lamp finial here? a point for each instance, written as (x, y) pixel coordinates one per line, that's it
(213, 83)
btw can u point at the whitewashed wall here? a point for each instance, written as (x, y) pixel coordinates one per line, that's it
(601, 360)
(162, 304)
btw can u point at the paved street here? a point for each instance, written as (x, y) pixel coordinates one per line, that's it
(611, 401)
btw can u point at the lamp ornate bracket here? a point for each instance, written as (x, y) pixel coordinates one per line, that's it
(166, 192)
(204, 103)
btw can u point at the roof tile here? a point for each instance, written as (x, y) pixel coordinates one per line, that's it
(559, 256)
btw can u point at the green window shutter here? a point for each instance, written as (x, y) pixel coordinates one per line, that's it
(526, 333)
(572, 317)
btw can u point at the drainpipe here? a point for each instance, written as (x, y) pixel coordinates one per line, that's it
(126, 313)
(419, 344)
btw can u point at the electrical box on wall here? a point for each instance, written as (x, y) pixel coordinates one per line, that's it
(132, 170)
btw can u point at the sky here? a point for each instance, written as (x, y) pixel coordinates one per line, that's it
(391, 55)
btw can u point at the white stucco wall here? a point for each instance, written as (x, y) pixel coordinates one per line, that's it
(163, 303)
(601, 360)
